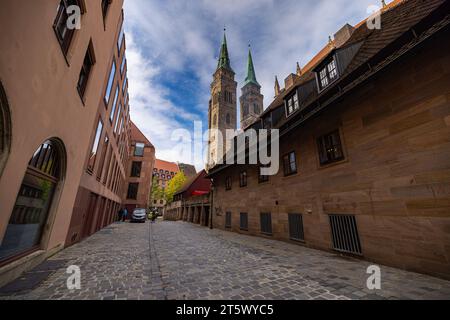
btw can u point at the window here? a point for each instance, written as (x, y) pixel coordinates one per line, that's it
(328, 74)
(63, 33)
(139, 150)
(228, 97)
(116, 126)
(344, 233)
(330, 148)
(103, 157)
(124, 85)
(35, 198)
(244, 221)
(132, 191)
(256, 108)
(262, 178)
(94, 150)
(290, 164)
(122, 66)
(266, 223)
(228, 183)
(105, 7)
(112, 74)
(292, 104)
(136, 168)
(88, 62)
(296, 227)
(120, 39)
(228, 118)
(243, 179)
(228, 220)
(245, 111)
(113, 110)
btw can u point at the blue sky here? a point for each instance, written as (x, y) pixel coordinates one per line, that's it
(173, 45)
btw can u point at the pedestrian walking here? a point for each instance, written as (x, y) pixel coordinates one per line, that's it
(120, 214)
(124, 214)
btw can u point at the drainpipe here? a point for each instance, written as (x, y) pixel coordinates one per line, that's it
(212, 205)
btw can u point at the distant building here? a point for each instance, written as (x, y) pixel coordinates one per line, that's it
(139, 171)
(192, 202)
(164, 171)
(188, 170)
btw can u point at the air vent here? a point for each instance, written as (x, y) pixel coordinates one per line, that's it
(228, 220)
(296, 227)
(345, 234)
(266, 223)
(244, 221)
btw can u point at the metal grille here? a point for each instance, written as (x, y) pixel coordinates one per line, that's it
(228, 220)
(345, 234)
(296, 227)
(266, 223)
(244, 221)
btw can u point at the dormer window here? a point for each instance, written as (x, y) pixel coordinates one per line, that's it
(328, 74)
(292, 104)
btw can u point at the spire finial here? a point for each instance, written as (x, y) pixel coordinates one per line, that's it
(224, 58)
(383, 3)
(251, 75)
(277, 87)
(299, 70)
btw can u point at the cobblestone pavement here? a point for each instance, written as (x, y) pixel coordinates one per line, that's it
(176, 260)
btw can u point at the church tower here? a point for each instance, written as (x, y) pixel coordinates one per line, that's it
(251, 98)
(222, 106)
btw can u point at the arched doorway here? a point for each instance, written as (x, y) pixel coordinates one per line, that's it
(34, 201)
(5, 129)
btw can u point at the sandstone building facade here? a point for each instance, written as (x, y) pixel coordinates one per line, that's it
(364, 148)
(64, 126)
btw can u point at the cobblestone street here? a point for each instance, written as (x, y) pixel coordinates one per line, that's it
(170, 260)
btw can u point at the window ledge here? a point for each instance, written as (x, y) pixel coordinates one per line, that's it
(329, 165)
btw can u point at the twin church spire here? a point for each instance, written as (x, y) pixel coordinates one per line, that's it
(251, 100)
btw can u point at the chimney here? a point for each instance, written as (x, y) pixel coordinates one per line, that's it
(289, 81)
(342, 36)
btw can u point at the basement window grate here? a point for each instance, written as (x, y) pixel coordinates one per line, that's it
(266, 223)
(345, 234)
(296, 227)
(228, 220)
(244, 221)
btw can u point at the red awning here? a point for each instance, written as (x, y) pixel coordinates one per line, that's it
(199, 193)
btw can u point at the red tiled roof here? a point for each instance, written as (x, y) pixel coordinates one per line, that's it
(166, 166)
(397, 17)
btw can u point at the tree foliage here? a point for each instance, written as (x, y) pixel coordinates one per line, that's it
(157, 193)
(175, 185)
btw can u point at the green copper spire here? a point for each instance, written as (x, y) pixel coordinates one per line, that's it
(224, 58)
(251, 76)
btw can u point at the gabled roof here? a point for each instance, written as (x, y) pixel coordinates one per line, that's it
(138, 136)
(203, 186)
(396, 18)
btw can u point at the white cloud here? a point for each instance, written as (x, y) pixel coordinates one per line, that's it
(169, 38)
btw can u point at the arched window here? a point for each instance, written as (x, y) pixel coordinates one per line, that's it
(5, 129)
(34, 200)
(245, 111)
(228, 118)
